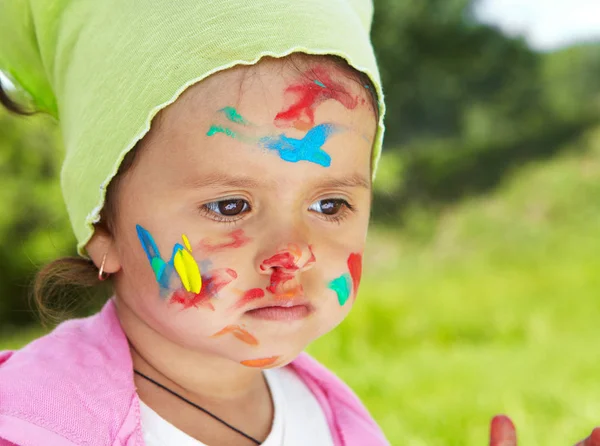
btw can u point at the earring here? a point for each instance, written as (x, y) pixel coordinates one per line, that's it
(101, 274)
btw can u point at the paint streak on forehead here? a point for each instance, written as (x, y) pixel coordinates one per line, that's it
(315, 88)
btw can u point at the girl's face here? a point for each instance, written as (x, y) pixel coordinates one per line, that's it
(256, 183)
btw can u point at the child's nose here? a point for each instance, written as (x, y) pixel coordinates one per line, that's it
(293, 257)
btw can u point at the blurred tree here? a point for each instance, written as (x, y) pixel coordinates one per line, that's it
(466, 104)
(571, 80)
(33, 224)
(446, 75)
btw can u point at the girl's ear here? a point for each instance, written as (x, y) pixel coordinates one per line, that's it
(100, 245)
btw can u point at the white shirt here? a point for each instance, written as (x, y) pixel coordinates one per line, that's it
(298, 418)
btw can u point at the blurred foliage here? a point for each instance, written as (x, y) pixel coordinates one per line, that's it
(466, 104)
(34, 227)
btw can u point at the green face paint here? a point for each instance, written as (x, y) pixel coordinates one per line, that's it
(232, 114)
(218, 129)
(342, 286)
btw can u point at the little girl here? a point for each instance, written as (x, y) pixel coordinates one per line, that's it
(219, 158)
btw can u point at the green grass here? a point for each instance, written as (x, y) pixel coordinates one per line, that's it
(492, 307)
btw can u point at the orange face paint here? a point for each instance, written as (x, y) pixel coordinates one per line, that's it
(239, 333)
(261, 362)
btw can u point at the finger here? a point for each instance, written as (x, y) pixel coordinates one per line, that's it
(502, 432)
(593, 439)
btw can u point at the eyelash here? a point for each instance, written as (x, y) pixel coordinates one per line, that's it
(205, 209)
(344, 213)
(338, 218)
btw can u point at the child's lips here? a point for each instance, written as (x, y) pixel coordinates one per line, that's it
(288, 310)
(276, 313)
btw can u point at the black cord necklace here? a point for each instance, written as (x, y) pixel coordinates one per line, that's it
(197, 407)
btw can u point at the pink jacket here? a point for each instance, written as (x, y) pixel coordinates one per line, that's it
(75, 387)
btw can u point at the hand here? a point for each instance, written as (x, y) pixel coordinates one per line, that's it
(592, 440)
(503, 433)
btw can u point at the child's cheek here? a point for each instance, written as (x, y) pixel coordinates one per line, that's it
(183, 280)
(346, 285)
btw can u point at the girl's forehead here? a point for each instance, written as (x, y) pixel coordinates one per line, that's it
(292, 119)
(270, 87)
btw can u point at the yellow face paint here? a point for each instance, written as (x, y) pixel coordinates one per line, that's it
(186, 242)
(187, 268)
(180, 267)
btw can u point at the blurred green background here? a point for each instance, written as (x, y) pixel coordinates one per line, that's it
(481, 284)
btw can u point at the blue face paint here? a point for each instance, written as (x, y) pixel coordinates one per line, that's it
(320, 84)
(342, 286)
(289, 149)
(308, 148)
(163, 271)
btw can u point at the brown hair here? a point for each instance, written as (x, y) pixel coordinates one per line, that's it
(58, 285)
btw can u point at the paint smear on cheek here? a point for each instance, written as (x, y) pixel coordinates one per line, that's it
(308, 148)
(235, 239)
(186, 266)
(182, 262)
(261, 362)
(159, 266)
(309, 94)
(249, 296)
(189, 300)
(342, 287)
(355, 268)
(238, 332)
(212, 284)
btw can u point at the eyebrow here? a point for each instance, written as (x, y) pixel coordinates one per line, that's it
(217, 179)
(355, 180)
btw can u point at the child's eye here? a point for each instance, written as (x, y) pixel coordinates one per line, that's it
(222, 209)
(334, 209)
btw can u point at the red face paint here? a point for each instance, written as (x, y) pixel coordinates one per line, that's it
(285, 265)
(261, 362)
(278, 278)
(249, 296)
(312, 258)
(189, 299)
(301, 114)
(282, 260)
(211, 285)
(355, 268)
(236, 239)
(239, 333)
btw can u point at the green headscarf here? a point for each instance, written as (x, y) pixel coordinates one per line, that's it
(104, 68)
